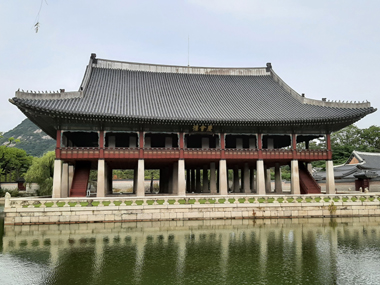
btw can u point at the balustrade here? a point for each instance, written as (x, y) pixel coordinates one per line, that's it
(159, 153)
(175, 202)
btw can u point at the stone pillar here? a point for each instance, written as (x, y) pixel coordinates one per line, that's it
(253, 180)
(140, 189)
(135, 181)
(198, 181)
(188, 183)
(310, 168)
(213, 190)
(109, 179)
(295, 179)
(65, 181)
(242, 179)
(169, 179)
(71, 175)
(260, 177)
(236, 186)
(205, 180)
(57, 179)
(278, 180)
(193, 180)
(268, 185)
(175, 178)
(181, 178)
(223, 187)
(101, 185)
(162, 180)
(247, 188)
(217, 179)
(330, 180)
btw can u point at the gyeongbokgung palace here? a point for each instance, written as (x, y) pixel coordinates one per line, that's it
(194, 124)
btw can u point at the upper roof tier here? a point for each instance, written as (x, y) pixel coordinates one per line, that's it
(150, 93)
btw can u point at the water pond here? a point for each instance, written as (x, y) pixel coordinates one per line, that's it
(302, 251)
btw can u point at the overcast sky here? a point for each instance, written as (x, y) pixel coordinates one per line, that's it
(320, 48)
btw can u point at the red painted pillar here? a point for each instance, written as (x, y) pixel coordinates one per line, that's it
(260, 145)
(181, 145)
(141, 145)
(329, 151)
(101, 144)
(222, 146)
(58, 146)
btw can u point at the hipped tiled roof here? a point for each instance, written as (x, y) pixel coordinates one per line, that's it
(368, 164)
(128, 91)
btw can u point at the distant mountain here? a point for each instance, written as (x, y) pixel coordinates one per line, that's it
(32, 139)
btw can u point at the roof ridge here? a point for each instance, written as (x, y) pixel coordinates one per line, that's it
(162, 68)
(185, 66)
(367, 153)
(45, 95)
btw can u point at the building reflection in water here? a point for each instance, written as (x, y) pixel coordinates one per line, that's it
(182, 252)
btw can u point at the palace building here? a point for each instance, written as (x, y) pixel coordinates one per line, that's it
(194, 124)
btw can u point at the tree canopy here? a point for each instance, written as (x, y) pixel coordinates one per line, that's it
(348, 139)
(351, 138)
(41, 172)
(13, 161)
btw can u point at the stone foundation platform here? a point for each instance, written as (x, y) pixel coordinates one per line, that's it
(57, 211)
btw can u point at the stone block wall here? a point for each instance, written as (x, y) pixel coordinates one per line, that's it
(93, 214)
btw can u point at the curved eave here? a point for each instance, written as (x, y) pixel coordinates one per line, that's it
(181, 121)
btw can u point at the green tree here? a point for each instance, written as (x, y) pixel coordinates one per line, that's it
(13, 161)
(370, 138)
(351, 138)
(41, 172)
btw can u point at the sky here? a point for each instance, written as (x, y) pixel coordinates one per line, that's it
(325, 49)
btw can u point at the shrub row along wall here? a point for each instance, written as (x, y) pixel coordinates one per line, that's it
(55, 211)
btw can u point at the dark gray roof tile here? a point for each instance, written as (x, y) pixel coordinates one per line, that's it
(252, 99)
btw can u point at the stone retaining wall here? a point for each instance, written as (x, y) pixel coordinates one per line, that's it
(243, 207)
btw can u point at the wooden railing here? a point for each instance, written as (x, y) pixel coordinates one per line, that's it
(79, 152)
(188, 153)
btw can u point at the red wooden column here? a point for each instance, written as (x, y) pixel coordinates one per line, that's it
(181, 145)
(222, 146)
(329, 151)
(141, 145)
(101, 144)
(260, 146)
(294, 145)
(58, 146)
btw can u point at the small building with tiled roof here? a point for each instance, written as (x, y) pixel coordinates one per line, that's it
(360, 171)
(181, 120)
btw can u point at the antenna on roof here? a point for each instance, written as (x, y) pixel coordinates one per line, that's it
(188, 50)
